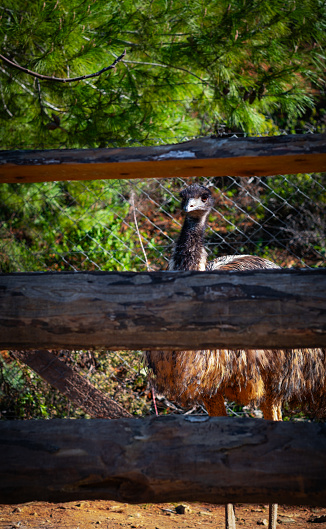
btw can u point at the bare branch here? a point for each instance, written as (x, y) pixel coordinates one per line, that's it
(29, 91)
(162, 65)
(132, 201)
(59, 79)
(4, 102)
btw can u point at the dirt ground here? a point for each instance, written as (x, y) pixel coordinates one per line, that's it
(113, 515)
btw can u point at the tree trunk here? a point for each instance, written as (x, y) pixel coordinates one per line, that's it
(75, 387)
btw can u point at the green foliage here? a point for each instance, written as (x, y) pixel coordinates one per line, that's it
(25, 395)
(189, 69)
(79, 225)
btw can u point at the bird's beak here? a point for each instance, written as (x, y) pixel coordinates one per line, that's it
(191, 205)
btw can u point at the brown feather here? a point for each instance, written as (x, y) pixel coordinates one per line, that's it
(265, 377)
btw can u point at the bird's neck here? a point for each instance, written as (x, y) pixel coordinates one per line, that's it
(189, 252)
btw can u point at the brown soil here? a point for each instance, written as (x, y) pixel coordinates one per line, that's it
(113, 515)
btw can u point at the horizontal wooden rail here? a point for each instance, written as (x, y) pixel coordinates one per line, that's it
(201, 157)
(215, 460)
(155, 310)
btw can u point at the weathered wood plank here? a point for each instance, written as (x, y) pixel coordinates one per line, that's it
(201, 157)
(169, 459)
(155, 310)
(75, 387)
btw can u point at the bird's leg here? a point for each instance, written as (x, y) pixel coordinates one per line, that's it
(272, 520)
(229, 516)
(279, 412)
(216, 408)
(272, 411)
(215, 405)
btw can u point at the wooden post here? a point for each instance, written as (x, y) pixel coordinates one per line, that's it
(216, 460)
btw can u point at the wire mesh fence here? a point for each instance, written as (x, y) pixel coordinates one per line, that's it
(130, 225)
(108, 225)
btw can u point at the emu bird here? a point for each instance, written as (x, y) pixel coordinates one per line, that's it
(262, 377)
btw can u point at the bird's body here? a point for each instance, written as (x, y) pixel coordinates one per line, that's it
(240, 262)
(262, 377)
(266, 378)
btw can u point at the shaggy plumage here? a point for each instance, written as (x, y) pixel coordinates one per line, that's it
(266, 378)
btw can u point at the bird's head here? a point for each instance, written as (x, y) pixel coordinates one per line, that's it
(197, 200)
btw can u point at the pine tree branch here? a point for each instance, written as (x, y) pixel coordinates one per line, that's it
(29, 91)
(59, 79)
(162, 65)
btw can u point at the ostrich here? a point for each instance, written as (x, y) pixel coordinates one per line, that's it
(260, 377)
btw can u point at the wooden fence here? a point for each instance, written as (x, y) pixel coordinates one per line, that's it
(186, 458)
(155, 310)
(201, 157)
(177, 458)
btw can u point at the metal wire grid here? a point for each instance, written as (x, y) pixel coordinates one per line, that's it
(92, 224)
(93, 228)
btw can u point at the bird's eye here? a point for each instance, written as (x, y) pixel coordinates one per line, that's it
(204, 199)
